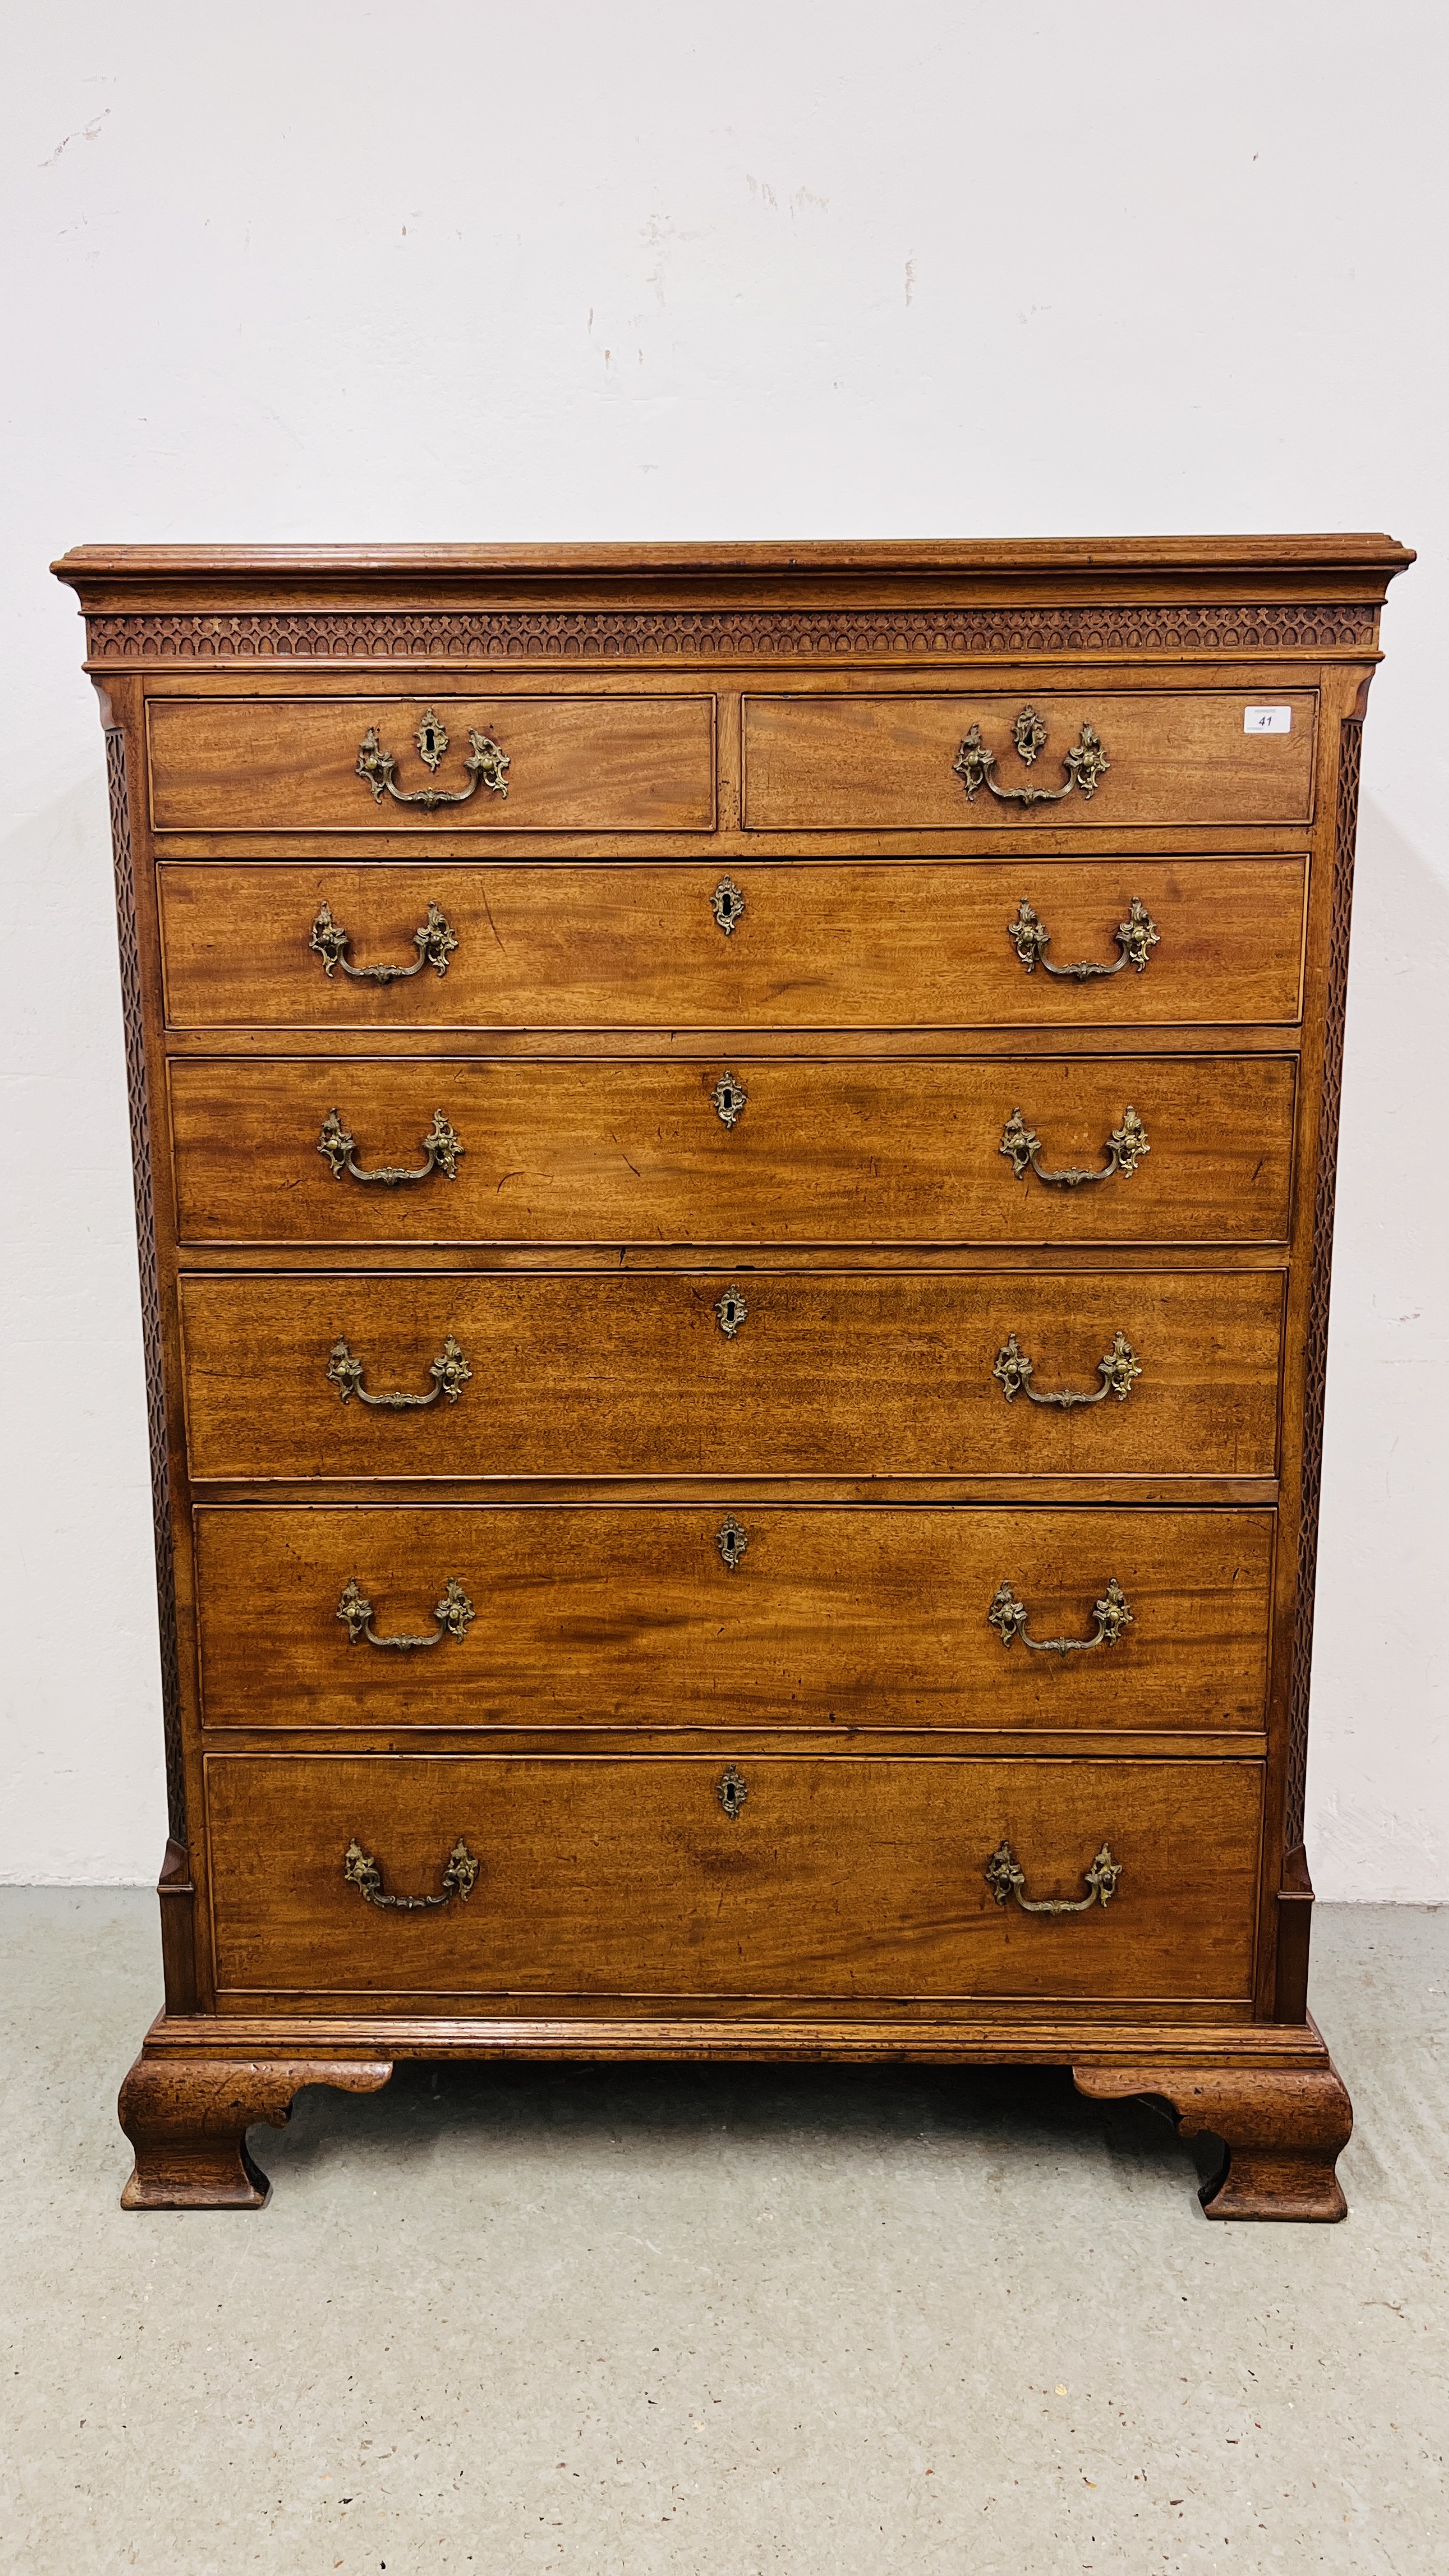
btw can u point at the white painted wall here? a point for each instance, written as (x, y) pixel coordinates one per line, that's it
(811, 268)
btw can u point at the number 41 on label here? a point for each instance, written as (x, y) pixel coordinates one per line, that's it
(1267, 719)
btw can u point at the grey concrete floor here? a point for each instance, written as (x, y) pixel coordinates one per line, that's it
(715, 2321)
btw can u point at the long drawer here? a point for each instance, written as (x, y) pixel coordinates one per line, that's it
(997, 1618)
(1072, 943)
(570, 763)
(1045, 1151)
(688, 1876)
(900, 761)
(769, 1373)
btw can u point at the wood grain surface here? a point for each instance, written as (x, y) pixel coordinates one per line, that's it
(188, 2123)
(576, 764)
(818, 945)
(1284, 2130)
(834, 1153)
(606, 1875)
(885, 762)
(633, 1618)
(832, 1374)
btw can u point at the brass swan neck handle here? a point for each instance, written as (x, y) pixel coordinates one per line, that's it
(1085, 763)
(1136, 937)
(1006, 1880)
(1008, 1617)
(1124, 1150)
(433, 939)
(360, 1870)
(1118, 1369)
(449, 1372)
(454, 1614)
(441, 1151)
(487, 766)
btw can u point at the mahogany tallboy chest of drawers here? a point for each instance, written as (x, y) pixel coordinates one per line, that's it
(735, 1162)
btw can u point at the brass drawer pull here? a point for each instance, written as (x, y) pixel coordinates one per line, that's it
(440, 1147)
(1031, 939)
(433, 940)
(454, 1614)
(727, 903)
(1009, 1616)
(731, 1791)
(1085, 763)
(449, 1372)
(487, 764)
(1124, 1150)
(1118, 1369)
(1005, 1880)
(360, 1870)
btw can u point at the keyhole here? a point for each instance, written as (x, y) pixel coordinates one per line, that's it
(727, 904)
(731, 1312)
(732, 1792)
(732, 1541)
(730, 1099)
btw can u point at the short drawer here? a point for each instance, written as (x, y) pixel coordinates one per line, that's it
(1002, 1619)
(1096, 943)
(768, 1373)
(903, 762)
(683, 1876)
(574, 763)
(1086, 1149)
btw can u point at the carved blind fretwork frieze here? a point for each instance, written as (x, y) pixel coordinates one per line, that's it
(150, 1283)
(703, 635)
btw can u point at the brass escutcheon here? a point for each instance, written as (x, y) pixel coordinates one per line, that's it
(731, 1540)
(731, 1311)
(731, 1791)
(731, 1099)
(727, 903)
(431, 739)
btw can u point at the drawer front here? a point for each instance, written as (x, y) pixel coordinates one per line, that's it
(826, 1374)
(833, 764)
(756, 1618)
(736, 1152)
(843, 1877)
(575, 764)
(799, 944)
